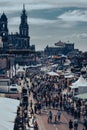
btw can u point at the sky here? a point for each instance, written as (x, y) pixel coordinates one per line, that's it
(50, 21)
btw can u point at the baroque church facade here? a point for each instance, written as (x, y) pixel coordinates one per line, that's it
(15, 48)
(19, 40)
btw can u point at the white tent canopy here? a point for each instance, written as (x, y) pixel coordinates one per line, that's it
(69, 76)
(46, 68)
(73, 86)
(8, 110)
(82, 96)
(52, 73)
(20, 70)
(80, 82)
(80, 86)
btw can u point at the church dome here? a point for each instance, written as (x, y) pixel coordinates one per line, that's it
(3, 17)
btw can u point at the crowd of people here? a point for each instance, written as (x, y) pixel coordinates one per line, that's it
(25, 115)
(48, 94)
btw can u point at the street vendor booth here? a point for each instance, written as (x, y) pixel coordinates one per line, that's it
(79, 87)
(82, 96)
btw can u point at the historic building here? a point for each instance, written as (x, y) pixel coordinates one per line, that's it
(17, 46)
(59, 48)
(20, 40)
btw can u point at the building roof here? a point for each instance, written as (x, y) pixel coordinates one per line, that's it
(3, 17)
(8, 110)
(60, 43)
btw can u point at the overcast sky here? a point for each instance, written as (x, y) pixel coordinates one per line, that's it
(50, 21)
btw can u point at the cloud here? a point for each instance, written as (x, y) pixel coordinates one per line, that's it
(33, 21)
(11, 5)
(74, 16)
(38, 21)
(76, 36)
(13, 24)
(71, 3)
(82, 36)
(14, 21)
(17, 7)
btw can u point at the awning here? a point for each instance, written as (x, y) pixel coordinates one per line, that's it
(8, 109)
(82, 96)
(52, 74)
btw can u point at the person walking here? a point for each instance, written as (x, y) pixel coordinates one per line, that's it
(55, 119)
(35, 109)
(85, 123)
(70, 124)
(31, 103)
(59, 115)
(35, 125)
(75, 114)
(75, 124)
(49, 117)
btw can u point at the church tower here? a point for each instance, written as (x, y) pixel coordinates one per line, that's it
(24, 29)
(24, 26)
(4, 28)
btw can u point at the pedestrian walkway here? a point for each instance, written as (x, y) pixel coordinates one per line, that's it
(42, 119)
(41, 115)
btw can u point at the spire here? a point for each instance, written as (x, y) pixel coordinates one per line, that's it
(24, 10)
(23, 6)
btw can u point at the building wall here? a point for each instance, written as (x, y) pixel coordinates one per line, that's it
(56, 50)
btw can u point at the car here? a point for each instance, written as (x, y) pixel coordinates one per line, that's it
(14, 88)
